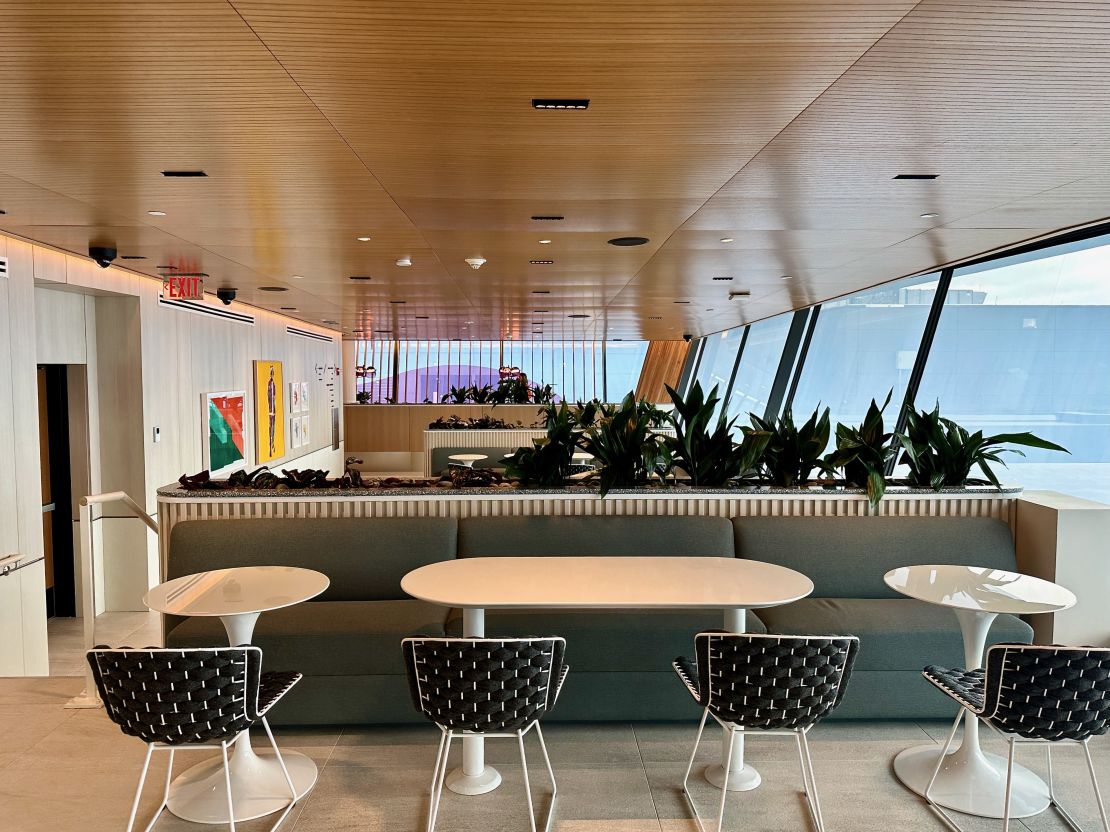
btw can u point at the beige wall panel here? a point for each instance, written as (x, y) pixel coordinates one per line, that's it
(49, 265)
(59, 326)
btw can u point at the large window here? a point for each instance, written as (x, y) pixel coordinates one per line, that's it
(718, 357)
(1023, 344)
(418, 371)
(755, 375)
(863, 346)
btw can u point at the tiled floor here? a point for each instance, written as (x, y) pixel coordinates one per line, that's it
(66, 637)
(73, 770)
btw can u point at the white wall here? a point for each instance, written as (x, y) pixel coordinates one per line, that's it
(146, 366)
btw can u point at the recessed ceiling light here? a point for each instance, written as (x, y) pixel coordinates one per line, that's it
(787, 277)
(541, 262)
(157, 213)
(928, 215)
(723, 277)
(917, 176)
(363, 239)
(726, 239)
(545, 242)
(272, 289)
(578, 316)
(560, 103)
(470, 322)
(547, 217)
(404, 261)
(359, 277)
(298, 277)
(628, 241)
(183, 174)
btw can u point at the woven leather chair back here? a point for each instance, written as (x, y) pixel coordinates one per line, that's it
(484, 685)
(773, 682)
(1048, 693)
(179, 697)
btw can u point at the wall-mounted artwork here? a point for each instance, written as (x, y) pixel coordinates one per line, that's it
(294, 431)
(294, 397)
(304, 431)
(269, 410)
(304, 396)
(224, 444)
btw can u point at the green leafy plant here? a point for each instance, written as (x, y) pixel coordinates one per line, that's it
(702, 445)
(793, 452)
(864, 451)
(624, 446)
(363, 397)
(458, 395)
(480, 395)
(940, 453)
(544, 394)
(547, 462)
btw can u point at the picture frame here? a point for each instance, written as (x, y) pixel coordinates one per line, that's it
(269, 411)
(224, 431)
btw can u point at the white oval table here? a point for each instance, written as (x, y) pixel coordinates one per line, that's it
(734, 585)
(972, 781)
(238, 596)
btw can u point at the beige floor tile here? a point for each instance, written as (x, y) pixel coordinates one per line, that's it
(38, 690)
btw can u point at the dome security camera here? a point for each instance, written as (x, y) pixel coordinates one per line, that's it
(687, 337)
(103, 255)
(475, 262)
(226, 294)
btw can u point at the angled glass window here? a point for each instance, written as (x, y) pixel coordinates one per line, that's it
(1023, 344)
(718, 357)
(862, 346)
(623, 362)
(755, 375)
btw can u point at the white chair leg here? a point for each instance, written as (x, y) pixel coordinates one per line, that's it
(139, 790)
(943, 815)
(165, 794)
(689, 768)
(819, 818)
(724, 783)
(551, 774)
(285, 771)
(1094, 783)
(438, 780)
(527, 785)
(435, 778)
(1009, 786)
(227, 783)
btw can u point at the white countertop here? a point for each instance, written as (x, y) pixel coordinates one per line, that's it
(606, 583)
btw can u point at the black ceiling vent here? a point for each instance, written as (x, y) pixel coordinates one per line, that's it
(548, 217)
(541, 262)
(398, 301)
(359, 277)
(184, 174)
(917, 176)
(272, 289)
(723, 277)
(132, 257)
(541, 291)
(578, 316)
(682, 301)
(421, 317)
(560, 103)
(628, 241)
(3, 266)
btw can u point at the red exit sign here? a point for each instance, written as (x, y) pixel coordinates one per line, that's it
(183, 288)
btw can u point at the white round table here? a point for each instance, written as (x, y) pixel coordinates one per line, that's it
(238, 596)
(972, 781)
(467, 460)
(733, 585)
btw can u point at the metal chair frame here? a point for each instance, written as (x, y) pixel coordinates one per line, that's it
(1013, 741)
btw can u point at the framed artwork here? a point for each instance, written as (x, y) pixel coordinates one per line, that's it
(294, 431)
(294, 397)
(304, 396)
(224, 444)
(269, 411)
(304, 431)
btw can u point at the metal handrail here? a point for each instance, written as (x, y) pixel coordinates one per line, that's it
(89, 698)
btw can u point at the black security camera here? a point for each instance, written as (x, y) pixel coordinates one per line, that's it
(226, 294)
(103, 255)
(687, 337)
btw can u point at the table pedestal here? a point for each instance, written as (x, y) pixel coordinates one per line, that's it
(742, 777)
(475, 777)
(970, 780)
(258, 785)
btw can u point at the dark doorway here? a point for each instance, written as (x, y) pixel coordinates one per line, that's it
(57, 525)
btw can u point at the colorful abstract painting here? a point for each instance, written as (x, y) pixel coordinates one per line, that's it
(269, 411)
(225, 443)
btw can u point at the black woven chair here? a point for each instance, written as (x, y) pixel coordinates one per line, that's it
(778, 685)
(196, 698)
(488, 686)
(1032, 694)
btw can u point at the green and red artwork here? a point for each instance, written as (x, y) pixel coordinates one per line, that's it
(225, 446)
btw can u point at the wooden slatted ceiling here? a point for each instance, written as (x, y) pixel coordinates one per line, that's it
(777, 123)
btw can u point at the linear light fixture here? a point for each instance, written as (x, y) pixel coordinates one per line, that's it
(184, 174)
(541, 262)
(548, 217)
(723, 277)
(917, 176)
(560, 103)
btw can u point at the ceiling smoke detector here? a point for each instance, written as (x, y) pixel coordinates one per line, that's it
(404, 261)
(475, 262)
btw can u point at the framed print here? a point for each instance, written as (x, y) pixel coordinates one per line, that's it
(224, 444)
(294, 397)
(304, 396)
(294, 431)
(269, 411)
(304, 431)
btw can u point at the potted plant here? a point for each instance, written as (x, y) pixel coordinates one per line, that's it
(624, 446)
(864, 451)
(792, 453)
(940, 453)
(702, 445)
(547, 462)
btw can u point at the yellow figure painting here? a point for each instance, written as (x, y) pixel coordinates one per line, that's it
(269, 410)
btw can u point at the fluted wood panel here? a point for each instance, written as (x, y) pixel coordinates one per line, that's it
(662, 366)
(173, 510)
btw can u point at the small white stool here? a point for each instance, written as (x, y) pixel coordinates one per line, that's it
(467, 460)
